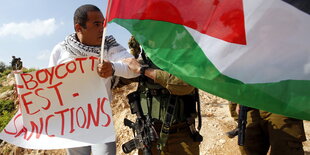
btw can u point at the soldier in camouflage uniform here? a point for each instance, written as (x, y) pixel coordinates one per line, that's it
(164, 86)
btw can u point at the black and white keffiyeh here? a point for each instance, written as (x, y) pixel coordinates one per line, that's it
(78, 49)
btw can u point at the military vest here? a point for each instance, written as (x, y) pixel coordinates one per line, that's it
(185, 105)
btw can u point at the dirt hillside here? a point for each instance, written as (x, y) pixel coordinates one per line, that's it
(215, 117)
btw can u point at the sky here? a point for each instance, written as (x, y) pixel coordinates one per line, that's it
(30, 29)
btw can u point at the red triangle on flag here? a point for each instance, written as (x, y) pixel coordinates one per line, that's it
(220, 19)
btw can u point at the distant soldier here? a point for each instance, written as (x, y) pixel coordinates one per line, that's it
(19, 64)
(16, 63)
(13, 63)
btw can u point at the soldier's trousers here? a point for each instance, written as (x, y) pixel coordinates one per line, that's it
(232, 110)
(282, 134)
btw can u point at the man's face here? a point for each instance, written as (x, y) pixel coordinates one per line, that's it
(92, 34)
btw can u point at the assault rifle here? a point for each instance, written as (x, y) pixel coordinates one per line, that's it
(144, 132)
(242, 120)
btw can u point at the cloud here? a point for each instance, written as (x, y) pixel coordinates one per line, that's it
(30, 30)
(43, 55)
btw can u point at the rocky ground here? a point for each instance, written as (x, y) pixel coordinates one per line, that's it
(215, 116)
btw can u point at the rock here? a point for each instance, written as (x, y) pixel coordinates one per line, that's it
(11, 83)
(222, 141)
(6, 94)
(9, 76)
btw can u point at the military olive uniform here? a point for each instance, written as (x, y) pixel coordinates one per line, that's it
(232, 110)
(167, 88)
(264, 129)
(180, 139)
(233, 113)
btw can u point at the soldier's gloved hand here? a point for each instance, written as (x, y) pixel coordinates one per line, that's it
(105, 69)
(133, 65)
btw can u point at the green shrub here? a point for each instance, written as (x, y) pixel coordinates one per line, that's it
(2, 66)
(7, 111)
(5, 118)
(6, 105)
(25, 70)
(4, 74)
(7, 72)
(2, 78)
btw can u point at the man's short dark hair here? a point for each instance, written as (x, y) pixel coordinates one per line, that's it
(80, 14)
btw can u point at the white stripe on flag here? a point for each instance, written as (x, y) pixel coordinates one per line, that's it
(278, 46)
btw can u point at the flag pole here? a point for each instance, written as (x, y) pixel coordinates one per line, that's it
(105, 23)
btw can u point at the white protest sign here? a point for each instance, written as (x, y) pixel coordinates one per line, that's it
(61, 107)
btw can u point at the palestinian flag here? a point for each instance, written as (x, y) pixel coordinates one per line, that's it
(256, 53)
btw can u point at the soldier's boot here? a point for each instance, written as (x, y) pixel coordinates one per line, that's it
(233, 133)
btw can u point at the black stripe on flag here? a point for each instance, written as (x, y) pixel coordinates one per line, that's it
(303, 5)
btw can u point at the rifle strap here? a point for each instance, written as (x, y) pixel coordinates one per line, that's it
(198, 108)
(167, 122)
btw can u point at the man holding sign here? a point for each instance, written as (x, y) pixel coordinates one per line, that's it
(85, 42)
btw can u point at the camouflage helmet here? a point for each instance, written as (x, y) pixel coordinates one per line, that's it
(134, 47)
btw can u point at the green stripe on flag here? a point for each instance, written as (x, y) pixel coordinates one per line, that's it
(172, 48)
